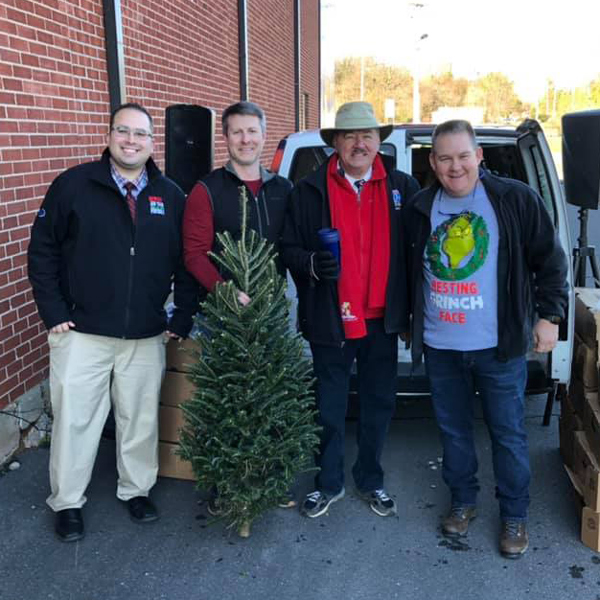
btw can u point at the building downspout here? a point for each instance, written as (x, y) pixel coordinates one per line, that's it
(297, 61)
(115, 61)
(243, 47)
(320, 83)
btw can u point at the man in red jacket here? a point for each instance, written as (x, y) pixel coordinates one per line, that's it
(350, 313)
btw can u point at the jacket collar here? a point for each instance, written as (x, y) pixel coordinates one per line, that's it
(264, 174)
(494, 186)
(102, 172)
(318, 178)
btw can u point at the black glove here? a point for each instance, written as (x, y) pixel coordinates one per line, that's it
(325, 265)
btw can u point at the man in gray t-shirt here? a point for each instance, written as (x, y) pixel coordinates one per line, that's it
(460, 264)
(483, 255)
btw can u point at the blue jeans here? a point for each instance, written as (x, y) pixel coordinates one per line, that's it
(455, 377)
(376, 357)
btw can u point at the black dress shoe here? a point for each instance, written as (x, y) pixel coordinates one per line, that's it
(69, 525)
(142, 510)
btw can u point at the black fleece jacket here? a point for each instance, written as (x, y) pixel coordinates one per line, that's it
(319, 315)
(89, 263)
(532, 266)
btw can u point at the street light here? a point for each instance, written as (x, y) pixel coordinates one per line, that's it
(416, 93)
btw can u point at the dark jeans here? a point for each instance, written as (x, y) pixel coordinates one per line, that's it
(454, 378)
(376, 360)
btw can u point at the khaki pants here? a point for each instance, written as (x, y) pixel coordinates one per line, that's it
(86, 371)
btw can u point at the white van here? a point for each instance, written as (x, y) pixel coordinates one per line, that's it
(520, 153)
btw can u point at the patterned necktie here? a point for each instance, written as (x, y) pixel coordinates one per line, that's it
(358, 184)
(130, 198)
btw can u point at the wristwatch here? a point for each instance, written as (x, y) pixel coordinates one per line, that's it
(554, 319)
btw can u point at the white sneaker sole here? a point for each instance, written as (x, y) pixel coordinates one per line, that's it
(388, 512)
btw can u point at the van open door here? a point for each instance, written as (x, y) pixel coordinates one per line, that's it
(543, 178)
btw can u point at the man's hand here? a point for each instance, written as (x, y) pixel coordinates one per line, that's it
(405, 337)
(173, 336)
(545, 336)
(62, 327)
(326, 265)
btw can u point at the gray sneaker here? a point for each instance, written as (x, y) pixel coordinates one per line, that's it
(316, 503)
(381, 504)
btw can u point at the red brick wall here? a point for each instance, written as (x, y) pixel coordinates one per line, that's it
(271, 67)
(54, 110)
(310, 60)
(53, 105)
(176, 54)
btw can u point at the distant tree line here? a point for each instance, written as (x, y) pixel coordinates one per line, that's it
(492, 92)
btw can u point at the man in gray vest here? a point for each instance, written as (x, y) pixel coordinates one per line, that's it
(474, 244)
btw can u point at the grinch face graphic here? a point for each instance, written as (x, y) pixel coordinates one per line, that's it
(458, 247)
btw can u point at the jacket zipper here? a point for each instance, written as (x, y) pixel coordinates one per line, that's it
(131, 265)
(265, 206)
(257, 205)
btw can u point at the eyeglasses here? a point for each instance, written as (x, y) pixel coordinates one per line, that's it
(141, 135)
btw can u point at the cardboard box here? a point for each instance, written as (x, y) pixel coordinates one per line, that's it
(587, 471)
(591, 423)
(171, 465)
(576, 392)
(170, 421)
(176, 388)
(576, 487)
(571, 419)
(587, 315)
(181, 354)
(585, 364)
(590, 528)
(567, 442)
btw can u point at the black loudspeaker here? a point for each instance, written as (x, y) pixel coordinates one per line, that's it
(189, 148)
(581, 157)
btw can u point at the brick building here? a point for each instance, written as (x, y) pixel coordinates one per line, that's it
(55, 99)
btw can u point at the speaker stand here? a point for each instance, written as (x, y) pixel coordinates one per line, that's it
(583, 252)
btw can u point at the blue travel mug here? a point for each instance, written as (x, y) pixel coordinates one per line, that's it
(329, 239)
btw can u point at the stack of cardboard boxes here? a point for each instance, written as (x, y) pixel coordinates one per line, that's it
(176, 388)
(579, 424)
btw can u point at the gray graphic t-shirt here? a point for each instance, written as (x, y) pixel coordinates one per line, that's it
(460, 273)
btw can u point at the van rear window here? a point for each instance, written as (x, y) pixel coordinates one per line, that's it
(309, 159)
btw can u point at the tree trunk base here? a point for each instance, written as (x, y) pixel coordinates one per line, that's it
(244, 530)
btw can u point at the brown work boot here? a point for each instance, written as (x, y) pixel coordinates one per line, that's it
(457, 521)
(514, 539)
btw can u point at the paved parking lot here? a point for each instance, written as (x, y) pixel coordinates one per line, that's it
(350, 553)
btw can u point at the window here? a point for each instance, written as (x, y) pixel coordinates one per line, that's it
(309, 159)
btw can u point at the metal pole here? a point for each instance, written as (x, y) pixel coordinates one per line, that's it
(115, 61)
(297, 61)
(243, 48)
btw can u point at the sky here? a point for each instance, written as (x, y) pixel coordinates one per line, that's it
(528, 40)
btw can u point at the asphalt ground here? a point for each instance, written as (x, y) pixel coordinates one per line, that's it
(350, 553)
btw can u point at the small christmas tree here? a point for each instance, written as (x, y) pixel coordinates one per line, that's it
(250, 425)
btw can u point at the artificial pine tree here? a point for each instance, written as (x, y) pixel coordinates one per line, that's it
(250, 424)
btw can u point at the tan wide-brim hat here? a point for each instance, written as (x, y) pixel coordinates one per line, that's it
(352, 116)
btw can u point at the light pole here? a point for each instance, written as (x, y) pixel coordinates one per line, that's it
(416, 93)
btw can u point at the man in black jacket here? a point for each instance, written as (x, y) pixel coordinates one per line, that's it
(482, 256)
(105, 250)
(349, 308)
(213, 205)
